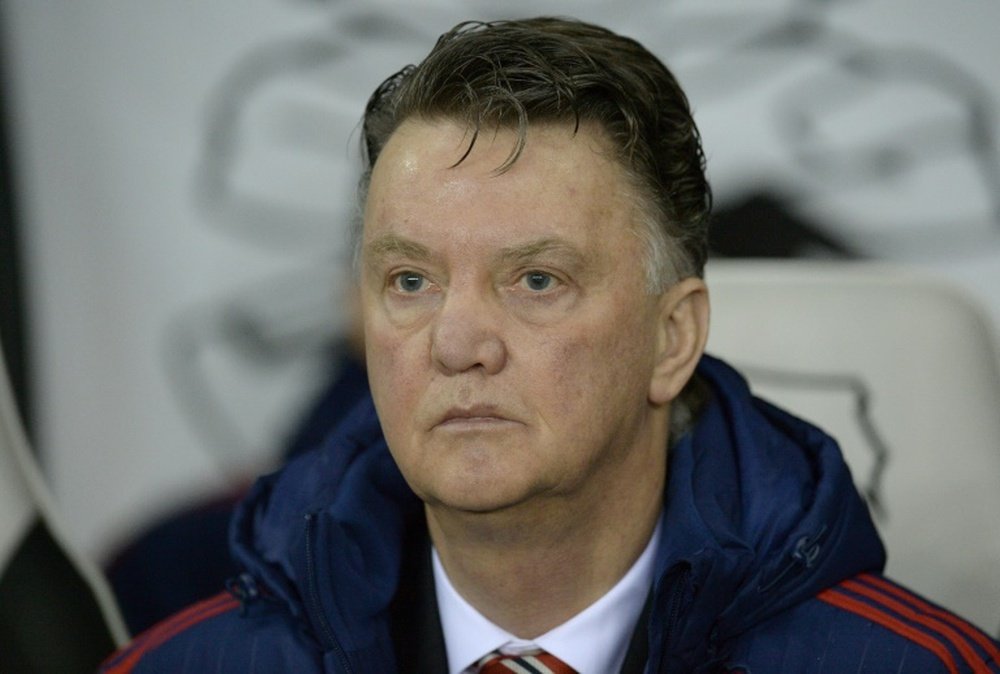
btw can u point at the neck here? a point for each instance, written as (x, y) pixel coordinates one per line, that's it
(532, 567)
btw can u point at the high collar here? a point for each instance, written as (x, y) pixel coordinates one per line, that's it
(761, 514)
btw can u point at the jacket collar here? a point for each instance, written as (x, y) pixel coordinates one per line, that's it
(761, 514)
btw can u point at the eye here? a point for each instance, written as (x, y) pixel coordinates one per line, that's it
(538, 281)
(409, 282)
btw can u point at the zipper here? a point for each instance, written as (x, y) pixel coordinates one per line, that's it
(313, 605)
(673, 608)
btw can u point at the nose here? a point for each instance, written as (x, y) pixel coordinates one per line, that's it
(467, 334)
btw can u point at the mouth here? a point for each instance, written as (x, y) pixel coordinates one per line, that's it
(475, 417)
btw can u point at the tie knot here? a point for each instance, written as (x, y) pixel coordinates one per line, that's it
(533, 662)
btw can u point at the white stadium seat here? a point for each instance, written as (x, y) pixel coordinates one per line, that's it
(903, 370)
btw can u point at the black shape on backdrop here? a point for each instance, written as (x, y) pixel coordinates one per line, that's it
(50, 622)
(13, 328)
(761, 224)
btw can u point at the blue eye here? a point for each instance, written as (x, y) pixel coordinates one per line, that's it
(538, 281)
(409, 282)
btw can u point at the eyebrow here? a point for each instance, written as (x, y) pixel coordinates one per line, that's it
(390, 244)
(533, 249)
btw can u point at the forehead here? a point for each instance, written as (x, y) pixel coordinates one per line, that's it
(440, 170)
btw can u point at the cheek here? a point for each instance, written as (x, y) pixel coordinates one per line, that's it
(392, 375)
(594, 367)
(577, 365)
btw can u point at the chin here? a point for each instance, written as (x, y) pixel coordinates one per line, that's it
(477, 496)
(477, 476)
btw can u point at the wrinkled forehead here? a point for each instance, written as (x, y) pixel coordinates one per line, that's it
(557, 171)
(430, 182)
(447, 155)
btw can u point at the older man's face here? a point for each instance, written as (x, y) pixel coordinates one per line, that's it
(510, 338)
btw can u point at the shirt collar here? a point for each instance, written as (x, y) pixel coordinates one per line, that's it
(593, 641)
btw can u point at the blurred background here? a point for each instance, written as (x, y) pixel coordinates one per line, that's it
(178, 178)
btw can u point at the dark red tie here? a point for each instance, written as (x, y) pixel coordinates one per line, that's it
(533, 662)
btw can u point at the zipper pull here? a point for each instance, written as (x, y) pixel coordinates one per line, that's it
(804, 556)
(243, 587)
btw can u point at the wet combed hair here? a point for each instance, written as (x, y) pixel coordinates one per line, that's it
(509, 74)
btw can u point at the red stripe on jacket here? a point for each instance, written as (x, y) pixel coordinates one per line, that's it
(970, 631)
(124, 660)
(971, 658)
(843, 601)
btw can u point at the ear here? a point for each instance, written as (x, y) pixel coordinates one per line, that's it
(681, 338)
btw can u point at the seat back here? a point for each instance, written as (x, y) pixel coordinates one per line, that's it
(903, 371)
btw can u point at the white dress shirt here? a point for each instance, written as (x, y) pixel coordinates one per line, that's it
(593, 641)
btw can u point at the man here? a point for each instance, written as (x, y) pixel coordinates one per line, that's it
(550, 476)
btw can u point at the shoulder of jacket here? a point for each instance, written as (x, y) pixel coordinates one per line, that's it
(866, 624)
(218, 634)
(955, 644)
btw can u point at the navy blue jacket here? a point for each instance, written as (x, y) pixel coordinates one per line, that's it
(769, 563)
